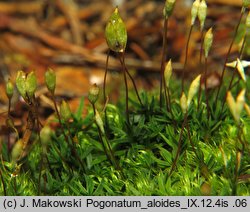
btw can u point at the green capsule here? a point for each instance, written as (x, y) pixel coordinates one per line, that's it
(247, 109)
(208, 40)
(31, 84)
(116, 33)
(238, 159)
(93, 93)
(21, 83)
(202, 13)
(45, 135)
(246, 3)
(194, 11)
(168, 9)
(65, 111)
(193, 89)
(168, 72)
(183, 103)
(26, 85)
(9, 89)
(241, 70)
(17, 150)
(10, 124)
(99, 122)
(50, 80)
(236, 106)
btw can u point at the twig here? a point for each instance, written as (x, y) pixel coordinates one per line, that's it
(32, 7)
(69, 8)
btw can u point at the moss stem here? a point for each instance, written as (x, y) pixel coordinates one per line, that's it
(200, 61)
(184, 123)
(206, 91)
(122, 61)
(65, 136)
(228, 53)
(186, 57)
(163, 58)
(105, 77)
(231, 85)
(3, 183)
(121, 58)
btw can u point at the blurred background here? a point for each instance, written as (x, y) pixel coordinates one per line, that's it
(68, 36)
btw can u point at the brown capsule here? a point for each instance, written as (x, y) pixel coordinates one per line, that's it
(206, 189)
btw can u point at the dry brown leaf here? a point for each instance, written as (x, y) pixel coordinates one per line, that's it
(71, 81)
